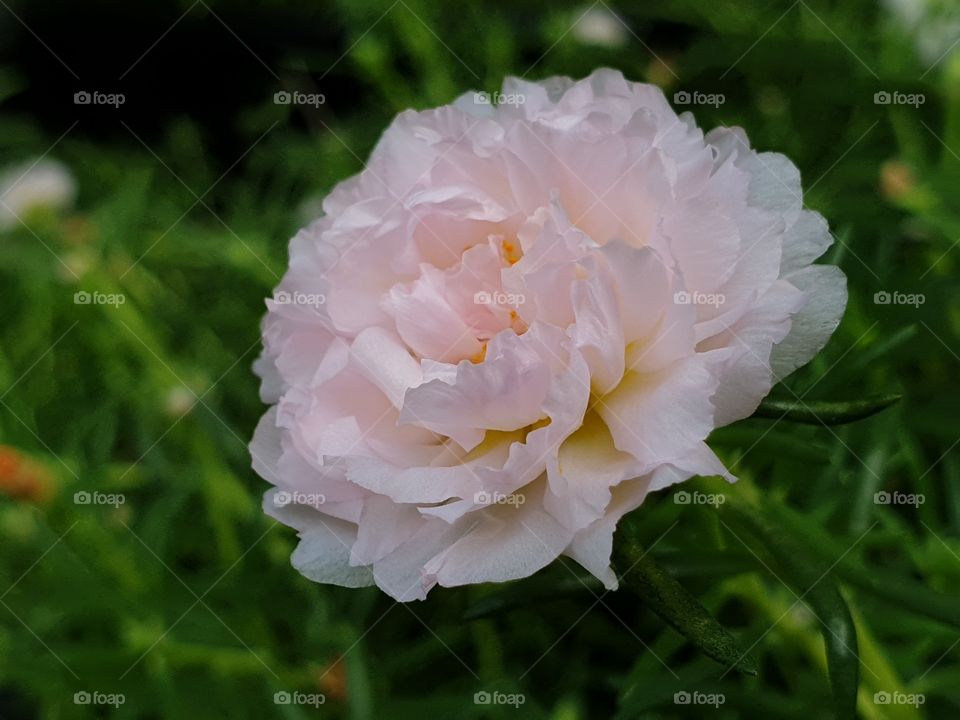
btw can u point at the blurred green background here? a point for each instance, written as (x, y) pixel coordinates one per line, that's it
(172, 212)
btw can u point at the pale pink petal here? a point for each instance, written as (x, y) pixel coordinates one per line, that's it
(825, 287)
(658, 417)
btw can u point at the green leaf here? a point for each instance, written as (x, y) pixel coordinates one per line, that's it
(808, 578)
(706, 563)
(674, 604)
(823, 412)
(894, 588)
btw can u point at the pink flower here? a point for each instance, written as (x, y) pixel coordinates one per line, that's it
(521, 319)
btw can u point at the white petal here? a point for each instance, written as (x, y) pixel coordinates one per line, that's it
(804, 241)
(271, 385)
(598, 332)
(266, 446)
(774, 183)
(401, 573)
(381, 357)
(812, 326)
(508, 543)
(323, 554)
(658, 417)
(747, 376)
(588, 466)
(504, 392)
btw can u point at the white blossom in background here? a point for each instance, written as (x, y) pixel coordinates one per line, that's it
(934, 25)
(599, 25)
(31, 186)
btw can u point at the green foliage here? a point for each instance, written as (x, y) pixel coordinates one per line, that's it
(182, 597)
